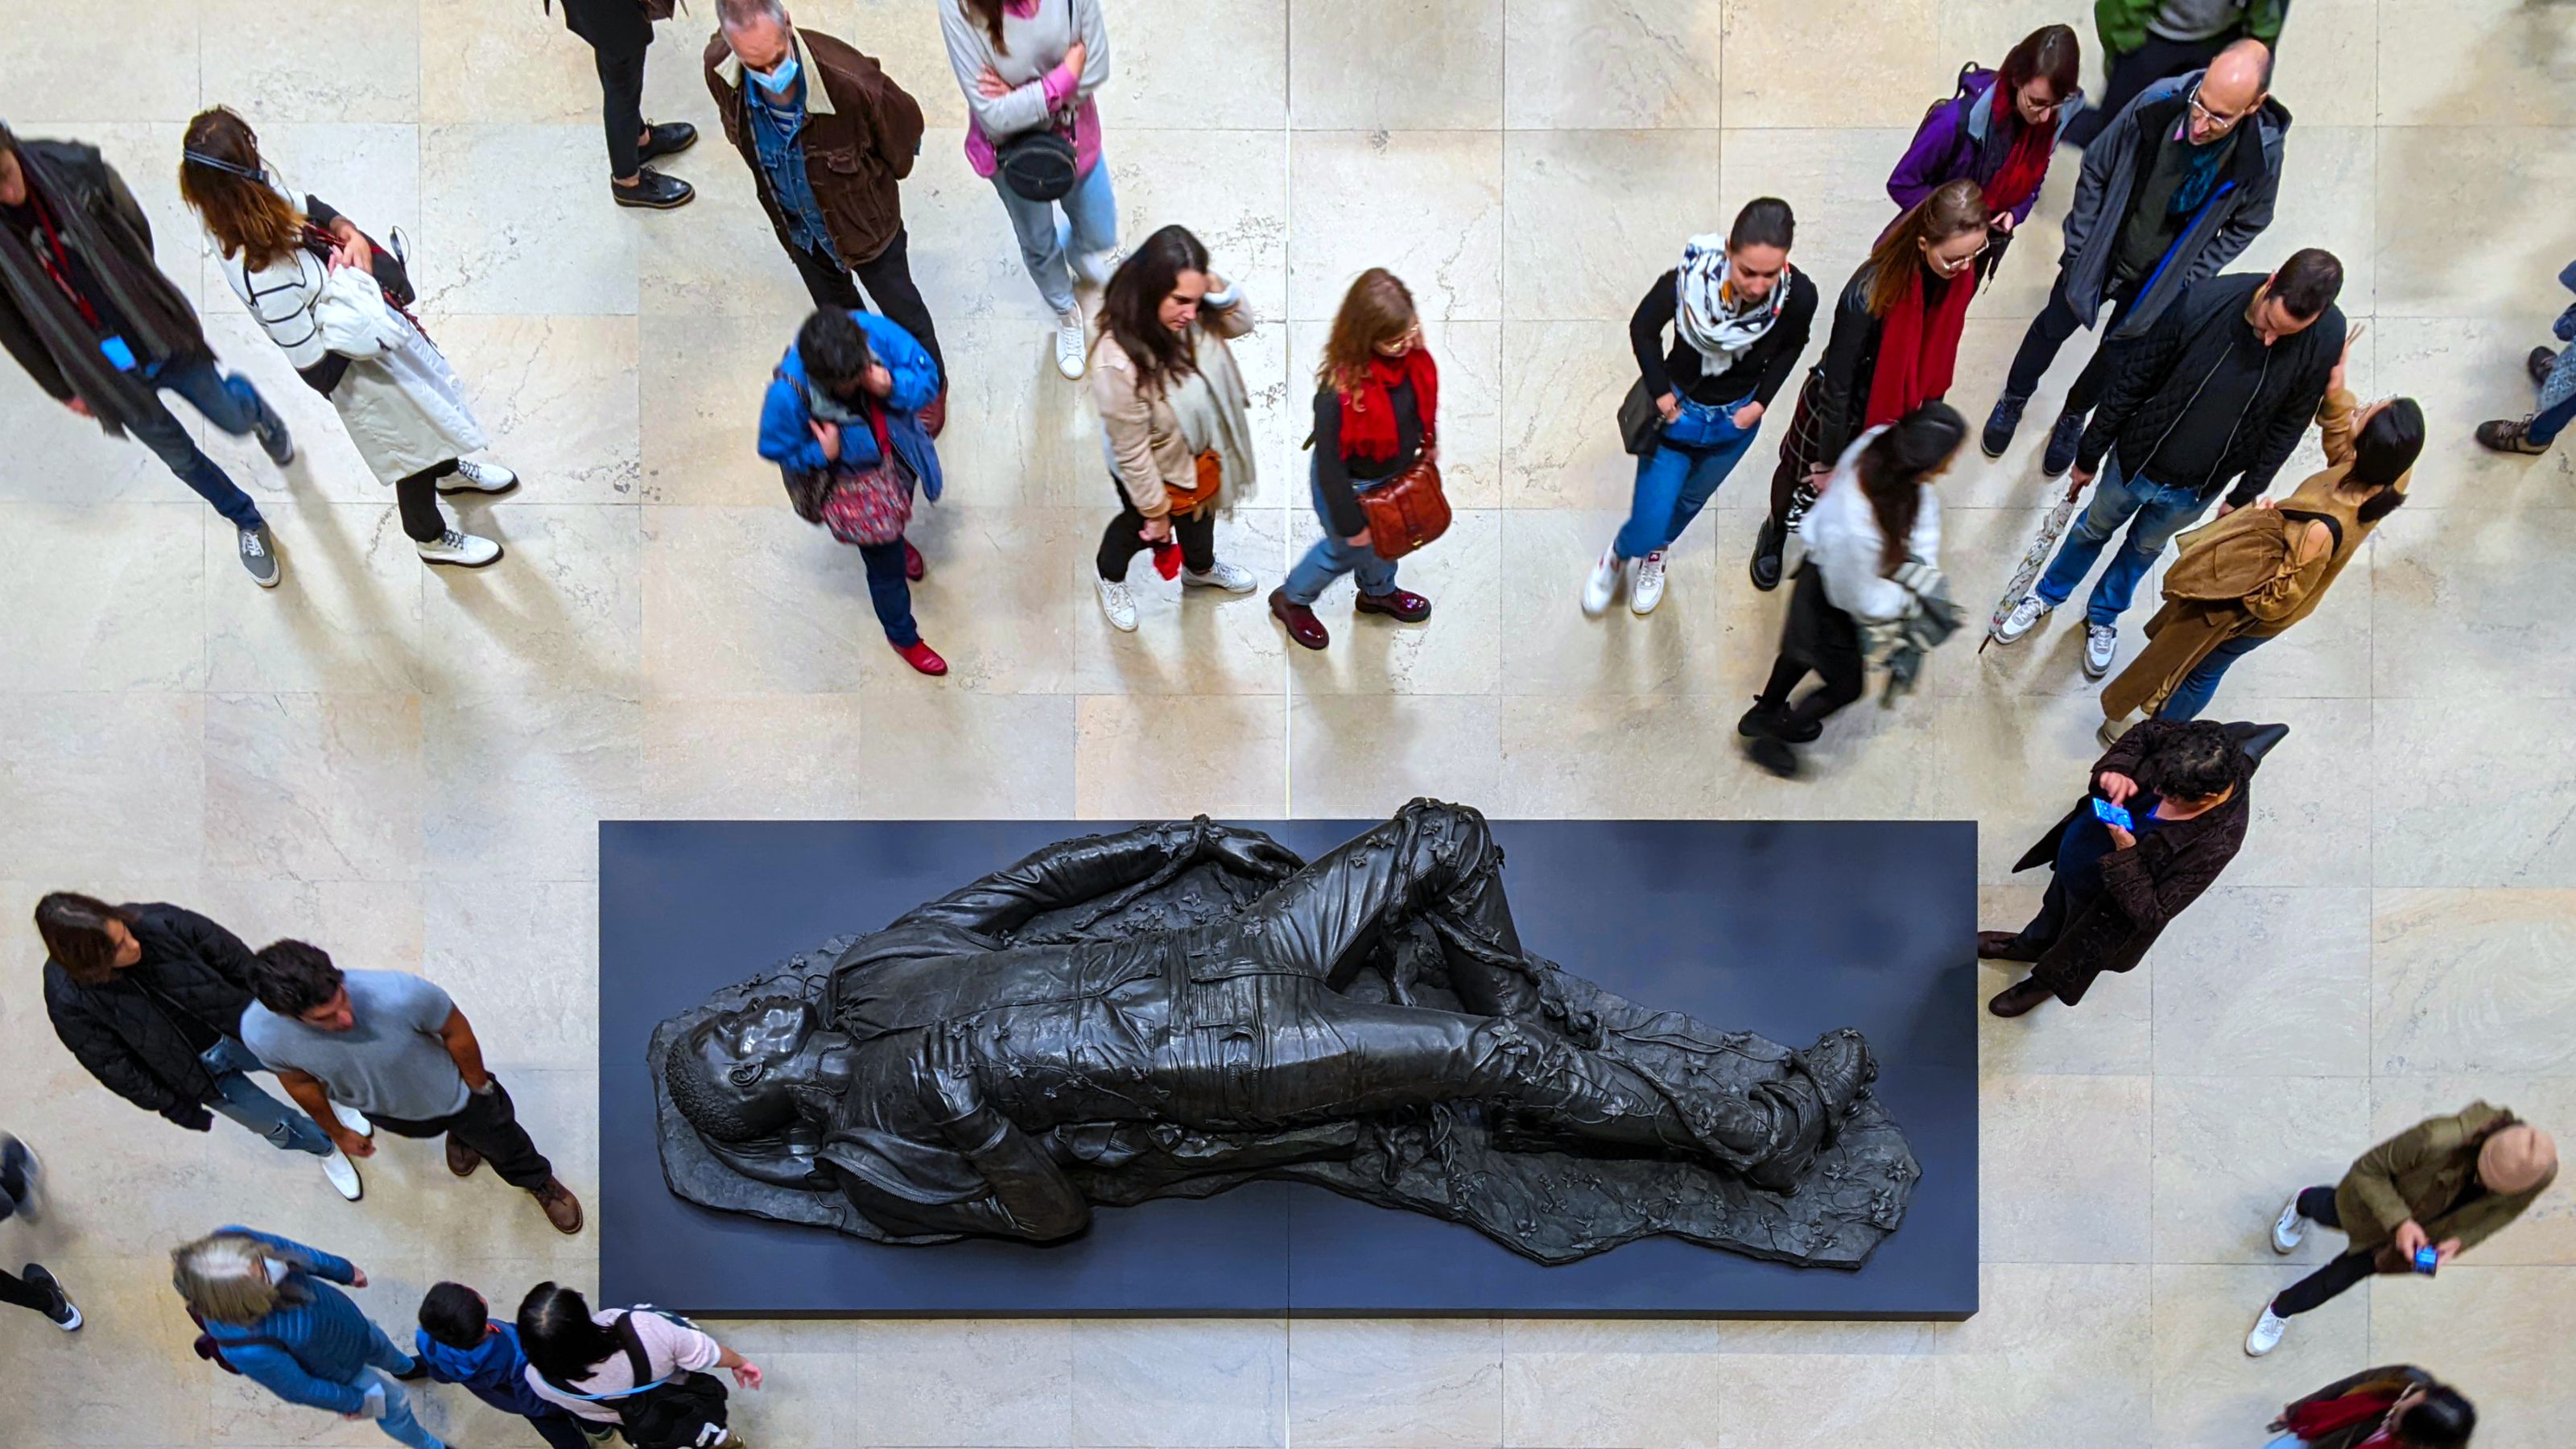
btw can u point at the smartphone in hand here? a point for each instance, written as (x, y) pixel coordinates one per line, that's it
(2110, 814)
(2427, 1258)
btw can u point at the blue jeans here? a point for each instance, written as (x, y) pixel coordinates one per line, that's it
(2557, 400)
(890, 592)
(2286, 1441)
(384, 1360)
(1090, 225)
(1332, 555)
(229, 403)
(2158, 512)
(242, 1100)
(1676, 480)
(2191, 696)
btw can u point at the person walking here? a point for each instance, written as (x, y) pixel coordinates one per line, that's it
(2144, 41)
(1894, 344)
(2396, 1407)
(2412, 1204)
(2223, 387)
(149, 998)
(461, 1344)
(103, 332)
(2245, 579)
(1029, 70)
(827, 135)
(619, 33)
(2555, 373)
(397, 1048)
(395, 393)
(1870, 589)
(2114, 887)
(842, 420)
(1175, 418)
(1740, 315)
(22, 1197)
(639, 1368)
(271, 1312)
(2176, 186)
(1377, 411)
(1999, 130)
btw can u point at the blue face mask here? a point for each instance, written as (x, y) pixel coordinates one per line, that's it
(777, 82)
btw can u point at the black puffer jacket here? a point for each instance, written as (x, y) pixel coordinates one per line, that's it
(139, 1031)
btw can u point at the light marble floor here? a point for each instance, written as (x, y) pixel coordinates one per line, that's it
(408, 767)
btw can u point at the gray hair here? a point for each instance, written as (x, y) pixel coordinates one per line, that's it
(225, 1278)
(738, 14)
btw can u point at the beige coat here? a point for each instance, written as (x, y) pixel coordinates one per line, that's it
(1145, 440)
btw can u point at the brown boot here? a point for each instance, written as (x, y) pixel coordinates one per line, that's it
(2000, 946)
(2020, 997)
(461, 1159)
(562, 1208)
(2510, 435)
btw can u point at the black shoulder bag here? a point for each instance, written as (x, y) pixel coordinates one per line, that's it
(685, 1411)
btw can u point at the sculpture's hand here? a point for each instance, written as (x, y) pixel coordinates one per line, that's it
(1253, 854)
(945, 1055)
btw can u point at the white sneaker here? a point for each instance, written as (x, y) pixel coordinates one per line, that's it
(1602, 584)
(1069, 345)
(472, 477)
(2101, 641)
(1117, 604)
(1648, 589)
(2267, 1333)
(2289, 1228)
(1093, 268)
(1233, 578)
(343, 1174)
(460, 550)
(2025, 616)
(353, 1119)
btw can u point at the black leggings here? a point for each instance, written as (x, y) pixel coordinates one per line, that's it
(2317, 1205)
(417, 497)
(1124, 538)
(18, 1291)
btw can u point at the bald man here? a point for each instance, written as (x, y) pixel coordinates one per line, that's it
(2175, 187)
(2442, 1186)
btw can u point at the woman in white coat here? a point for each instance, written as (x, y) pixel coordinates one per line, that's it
(394, 392)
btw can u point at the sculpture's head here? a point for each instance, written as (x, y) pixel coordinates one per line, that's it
(735, 1076)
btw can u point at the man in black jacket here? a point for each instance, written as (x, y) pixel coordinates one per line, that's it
(150, 999)
(2222, 387)
(92, 320)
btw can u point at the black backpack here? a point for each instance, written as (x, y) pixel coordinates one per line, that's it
(684, 1411)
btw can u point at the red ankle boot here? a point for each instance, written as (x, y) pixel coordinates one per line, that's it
(913, 565)
(922, 657)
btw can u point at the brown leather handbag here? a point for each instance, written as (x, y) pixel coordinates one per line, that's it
(1407, 511)
(1203, 488)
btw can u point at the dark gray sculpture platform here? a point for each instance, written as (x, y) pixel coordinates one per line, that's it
(1690, 930)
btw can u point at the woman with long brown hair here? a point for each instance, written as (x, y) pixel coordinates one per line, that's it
(1174, 417)
(1894, 344)
(401, 404)
(1377, 409)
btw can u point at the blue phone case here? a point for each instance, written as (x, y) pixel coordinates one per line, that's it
(2110, 814)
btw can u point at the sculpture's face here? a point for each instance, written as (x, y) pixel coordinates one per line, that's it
(746, 1065)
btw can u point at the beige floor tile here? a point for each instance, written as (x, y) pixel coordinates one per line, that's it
(2329, 208)
(346, 618)
(2453, 987)
(1635, 63)
(1785, 68)
(1395, 1382)
(1601, 1384)
(126, 1378)
(1210, 1383)
(517, 65)
(2064, 1169)
(2462, 373)
(2471, 804)
(997, 1384)
(1857, 1399)
(1183, 66)
(2206, 1390)
(2442, 631)
(55, 67)
(2486, 63)
(524, 956)
(1412, 65)
(352, 61)
(1637, 755)
(2265, 982)
(2011, 1376)
(1550, 648)
(1229, 187)
(2309, 806)
(733, 757)
(558, 397)
(1834, 178)
(560, 611)
(1178, 755)
(949, 754)
(2497, 174)
(554, 243)
(1427, 205)
(313, 786)
(517, 785)
(1458, 650)
(1362, 756)
(120, 605)
(68, 761)
(2230, 1150)
(1562, 383)
(700, 382)
(2546, 1232)
(1596, 269)
(720, 257)
(2504, 1331)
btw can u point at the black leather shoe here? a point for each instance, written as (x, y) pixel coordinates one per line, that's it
(1766, 556)
(653, 189)
(668, 138)
(2000, 946)
(2019, 997)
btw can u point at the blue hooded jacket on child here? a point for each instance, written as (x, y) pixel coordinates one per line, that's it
(786, 422)
(495, 1371)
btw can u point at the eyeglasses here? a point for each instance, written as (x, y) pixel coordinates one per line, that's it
(1949, 268)
(2215, 120)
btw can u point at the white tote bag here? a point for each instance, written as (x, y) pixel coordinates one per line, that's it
(351, 316)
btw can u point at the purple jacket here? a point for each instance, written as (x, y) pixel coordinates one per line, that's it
(1957, 139)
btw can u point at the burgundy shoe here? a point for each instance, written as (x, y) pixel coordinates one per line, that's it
(1396, 604)
(934, 415)
(2019, 997)
(1302, 624)
(2000, 946)
(922, 657)
(913, 565)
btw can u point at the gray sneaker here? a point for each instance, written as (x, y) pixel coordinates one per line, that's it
(2025, 616)
(2101, 641)
(259, 555)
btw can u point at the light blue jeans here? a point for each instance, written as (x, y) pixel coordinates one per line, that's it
(245, 1102)
(1696, 452)
(2154, 513)
(1332, 555)
(1090, 224)
(384, 1360)
(2287, 1441)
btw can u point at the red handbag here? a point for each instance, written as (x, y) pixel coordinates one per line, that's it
(1407, 511)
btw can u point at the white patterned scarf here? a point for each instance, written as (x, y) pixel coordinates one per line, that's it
(1718, 332)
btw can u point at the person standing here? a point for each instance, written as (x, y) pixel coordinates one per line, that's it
(149, 998)
(271, 1313)
(827, 134)
(2223, 387)
(400, 401)
(1998, 130)
(1377, 412)
(103, 332)
(2397, 1407)
(1740, 316)
(2113, 888)
(397, 1048)
(584, 1362)
(842, 420)
(1175, 418)
(2144, 41)
(619, 33)
(21, 1197)
(2412, 1204)
(1029, 70)
(1895, 341)
(1871, 575)
(461, 1344)
(2555, 373)
(2177, 185)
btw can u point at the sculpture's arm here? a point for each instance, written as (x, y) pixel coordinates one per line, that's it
(1071, 872)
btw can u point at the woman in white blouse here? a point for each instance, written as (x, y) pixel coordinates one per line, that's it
(400, 403)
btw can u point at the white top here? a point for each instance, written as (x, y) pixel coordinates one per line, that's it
(1844, 540)
(668, 1347)
(281, 296)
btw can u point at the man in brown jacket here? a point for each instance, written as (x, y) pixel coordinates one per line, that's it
(2433, 1191)
(827, 134)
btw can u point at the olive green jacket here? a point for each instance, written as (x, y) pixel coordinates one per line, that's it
(2418, 1173)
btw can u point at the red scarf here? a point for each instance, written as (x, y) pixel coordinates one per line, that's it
(1917, 347)
(2326, 1416)
(1368, 415)
(2026, 165)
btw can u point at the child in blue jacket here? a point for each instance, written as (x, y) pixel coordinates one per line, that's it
(462, 1345)
(269, 1307)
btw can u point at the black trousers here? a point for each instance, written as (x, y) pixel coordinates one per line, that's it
(23, 1294)
(2058, 321)
(621, 110)
(2317, 1205)
(2139, 69)
(888, 278)
(490, 1125)
(417, 497)
(1124, 538)
(1820, 639)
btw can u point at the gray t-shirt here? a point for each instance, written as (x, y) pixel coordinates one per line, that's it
(389, 1063)
(2189, 20)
